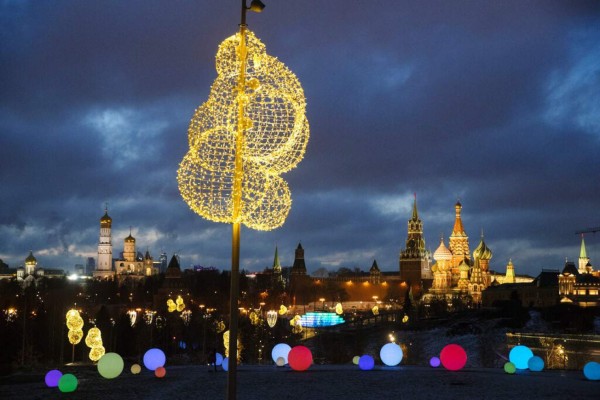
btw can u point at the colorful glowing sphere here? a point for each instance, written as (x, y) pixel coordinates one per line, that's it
(67, 383)
(280, 362)
(52, 378)
(591, 371)
(225, 364)
(281, 350)
(300, 358)
(520, 355)
(154, 358)
(535, 364)
(366, 362)
(434, 362)
(391, 354)
(219, 359)
(453, 357)
(509, 368)
(355, 360)
(160, 372)
(136, 369)
(110, 365)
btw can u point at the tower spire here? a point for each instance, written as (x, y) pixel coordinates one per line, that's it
(415, 213)
(582, 252)
(459, 229)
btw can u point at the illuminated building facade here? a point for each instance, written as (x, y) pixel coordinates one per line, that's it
(414, 258)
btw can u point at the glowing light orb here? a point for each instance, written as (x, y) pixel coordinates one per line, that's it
(453, 357)
(535, 364)
(67, 383)
(154, 358)
(591, 371)
(218, 359)
(520, 355)
(434, 362)
(300, 358)
(136, 369)
(110, 365)
(225, 364)
(52, 378)
(509, 368)
(355, 360)
(281, 350)
(391, 354)
(280, 362)
(366, 362)
(160, 372)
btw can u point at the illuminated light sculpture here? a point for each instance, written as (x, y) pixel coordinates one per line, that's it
(405, 319)
(110, 365)
(535, 364)
(434, 362)
(93, 340)
(75, 325)
(154, 358)
(520, 355)
(254, 318)
(180, 304)
(509, 368)
(186, 316)
(67, 383)
(355, 360)
(132, 314)
(225, 364)
(391, 354)
(338, 309)
(280, 350)
(227, 343)
(591, 371)
(219, 359)
(271, 318)
(136, 369)
(453, 357)
(300, 358)
(283, 310)
(375, 310)
(251, 129)
(52, 377)
(171, 306)
(296, 324)
(320, 319)
(366, 362)
(149, 316)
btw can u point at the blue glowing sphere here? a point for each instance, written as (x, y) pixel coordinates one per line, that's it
(535, 364)
(52, 378)
(219, 359)
(520, 355)
(591, 371)
(391, 354)
(280, 350)
(225, 364)
(366, 363)
(154, 358)
(434, 362)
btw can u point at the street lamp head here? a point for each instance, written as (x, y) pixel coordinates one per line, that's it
(256, 6)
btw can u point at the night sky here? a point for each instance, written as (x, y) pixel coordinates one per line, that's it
(495, 103)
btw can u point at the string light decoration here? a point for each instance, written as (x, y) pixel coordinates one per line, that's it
(75, 325)
(338, 309)
(94, 341)
(271, 318)
(226, 345)
(264, 104)
(177, 305)
(132, 314)
(282, 310)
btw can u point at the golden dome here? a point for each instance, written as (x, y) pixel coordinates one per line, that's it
(30, 258)
(442, 252)
(482, 252)
(130, 239)
(105, 220)
(464, 266)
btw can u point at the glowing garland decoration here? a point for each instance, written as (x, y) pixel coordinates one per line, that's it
(226, 345)
(177, 305)
(264, 104)
(75, 325)
(271, 318)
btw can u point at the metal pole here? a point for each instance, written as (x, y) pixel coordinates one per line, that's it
(237, 203)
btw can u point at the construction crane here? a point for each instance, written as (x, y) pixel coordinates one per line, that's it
(588, 230)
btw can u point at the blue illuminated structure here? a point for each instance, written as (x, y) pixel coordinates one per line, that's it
(320, 320)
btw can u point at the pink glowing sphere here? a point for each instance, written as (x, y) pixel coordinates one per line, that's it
(300, 358)
(453, 357)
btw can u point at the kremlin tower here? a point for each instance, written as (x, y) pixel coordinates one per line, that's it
(104, 265)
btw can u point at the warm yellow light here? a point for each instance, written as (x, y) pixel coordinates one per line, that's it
(75, 325)
(338, 309)
(94, 341)
(283, 310)
(375, 310)
(265, 104)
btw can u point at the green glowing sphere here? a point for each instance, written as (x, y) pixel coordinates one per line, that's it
(67, 383)
(110, 365)
(509, 368)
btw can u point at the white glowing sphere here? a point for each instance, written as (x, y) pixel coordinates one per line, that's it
(391, 354)
(280, 362)
(281, 350)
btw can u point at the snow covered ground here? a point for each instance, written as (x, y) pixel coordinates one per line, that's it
(327, 382)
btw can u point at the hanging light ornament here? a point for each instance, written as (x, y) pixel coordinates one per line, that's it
(94, 341)
(283, 310)
(271, 318)
(186, 316)
(149, 316)
(180, 304)
(132, 314)
(264, 104)
(338, 309)
(254, 318)
(375, 310)
(171, 306)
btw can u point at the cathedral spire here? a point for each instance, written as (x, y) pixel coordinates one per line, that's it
(459, 229)
(415, 213)
(582, 252)
(583, 258)
(276, 263)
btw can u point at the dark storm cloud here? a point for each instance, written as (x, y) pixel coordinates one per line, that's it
(494, 103)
